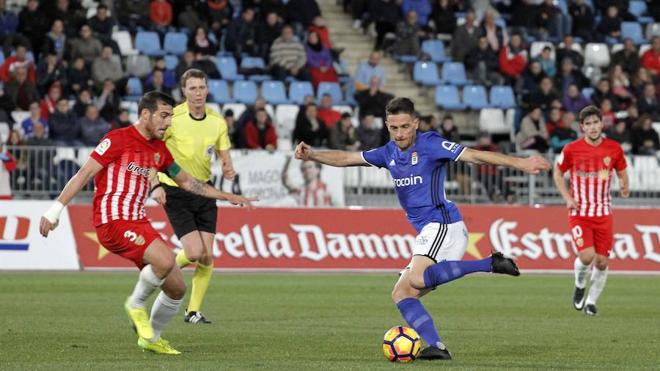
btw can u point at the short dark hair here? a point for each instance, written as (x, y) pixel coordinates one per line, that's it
(150, 101)
(193, 73)
(400, 105)
(587, 111)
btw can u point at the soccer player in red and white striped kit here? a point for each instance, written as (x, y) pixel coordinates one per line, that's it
(591, 161)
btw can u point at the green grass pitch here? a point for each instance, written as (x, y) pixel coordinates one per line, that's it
(75, 321)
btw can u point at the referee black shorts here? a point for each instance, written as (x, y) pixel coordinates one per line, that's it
(189, 212)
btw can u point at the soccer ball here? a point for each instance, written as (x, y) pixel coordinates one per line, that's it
(401, 344)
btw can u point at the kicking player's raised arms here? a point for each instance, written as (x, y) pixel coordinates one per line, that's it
(531, 165)
(333, 158)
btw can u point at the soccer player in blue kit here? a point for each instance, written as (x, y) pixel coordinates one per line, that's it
(416, 162)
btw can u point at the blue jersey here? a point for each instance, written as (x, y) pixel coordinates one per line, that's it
(419, 175)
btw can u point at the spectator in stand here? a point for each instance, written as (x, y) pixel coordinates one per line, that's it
(561, 136)
(648, 102)
(27, 126)
(190, 19)
(551, 21)
(287, 57)
(544, 96)
(569, 75)
(78, 76)
(343, 136)
(408, 35)
(267, 32)
(620, 133)
(482, 65)
(21, 91)
(422, 9)
(385, 14)
(301, 13)
(640, 80)
(201, 45)
(425, 124)
(651, 57)
(157, 82)
(369, 69)
(106, 67)
(569, 118)
(465, 38)
(566, 51)
(526, 19)
(574, 101)
(18, 60)
(583, 20)
(368, 134)
(310, 129)
(497, 37)
(513, 58)
(86, 46)
(547, 63)
(49, 70)
(325, 112)
(219, 13)
(644, 138)
(56, 40)
(242, 35)
(8, 25)
(160, 15)
(608, 115)
(373, 101)
(620, 84)
(271, 6)
(621, 6)
(530, 79)
(49, 102)
(443, 17)
(33, 24)
(533, 133)
(39, 137)
(609, 28)
(102, 24)
(633, 116)
(109, 101)
(449, 130)
(319, 61)
(249, 115)
(260, 133)
(92, 126)
(83, 100)
(8, 164)
(488, 174)
(63, 125)
(319, 27)
(169, 79)
(628, 57)
(187, 62)
(554, 120)
(234, 135)
(604, 91)
(71, 13)
(123, 120)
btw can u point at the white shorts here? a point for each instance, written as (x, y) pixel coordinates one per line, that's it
(442, 241)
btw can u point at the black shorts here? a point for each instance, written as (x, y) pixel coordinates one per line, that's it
(189, 212)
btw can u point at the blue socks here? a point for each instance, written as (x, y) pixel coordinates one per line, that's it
(447, 271)
(419, 319)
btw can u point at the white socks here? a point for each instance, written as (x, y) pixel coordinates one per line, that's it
(163, 310)
(598, 280)
(581, 271)
(146, 285)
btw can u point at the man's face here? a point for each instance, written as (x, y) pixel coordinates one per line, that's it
(102, 13)
(402, 128)
(63, 106)
(35, 111)
(92, 113)
(106, 53)
(158, 121)
(261, 117)
(158, 78)
(592, 127)
(38, 130)
(85, 32)
(21, 52)
(326, 102)
(196, 91)
(287, 33)
(374, 59)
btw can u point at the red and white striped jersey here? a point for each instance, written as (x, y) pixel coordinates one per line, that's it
(123, 185)
(314, 194)
(590, 169)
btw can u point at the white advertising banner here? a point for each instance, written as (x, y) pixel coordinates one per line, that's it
(23, 248)
(278, 179)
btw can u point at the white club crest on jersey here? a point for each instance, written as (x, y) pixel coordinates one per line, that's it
(102, 147)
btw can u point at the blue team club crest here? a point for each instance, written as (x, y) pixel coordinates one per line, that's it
(413, 158)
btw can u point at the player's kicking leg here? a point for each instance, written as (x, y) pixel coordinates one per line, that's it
(197, 247)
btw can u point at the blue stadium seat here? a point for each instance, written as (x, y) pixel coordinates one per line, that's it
(502, 97)
(426, 73)
(632, 30)
(134, 89)
(219, 91)
(228, 69)
(176, 43)
(474, 96)
(171, 61)
(454, 73)
(252, 62)
(274, 92)
(446, 97)
(588, 92)
(638, 9)
(436, 49)
(298, 90)
(331, 88)
(148, 42)
(407, 59)
(245, 91)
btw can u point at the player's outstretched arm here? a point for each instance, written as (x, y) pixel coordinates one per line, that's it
(560, 183)
(531, 165)
(51, 217)
(190, 184)
(623, 182)
(333, 158)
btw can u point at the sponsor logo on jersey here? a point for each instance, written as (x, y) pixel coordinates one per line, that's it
(414, 158)
(137, 170)
(408, 181)
(102, 147)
